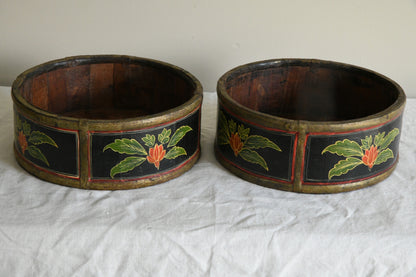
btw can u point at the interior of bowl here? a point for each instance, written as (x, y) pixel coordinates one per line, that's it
(106, 88)
(310, 90)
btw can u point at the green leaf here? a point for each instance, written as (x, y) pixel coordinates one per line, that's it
(385, 142)
(255, 142)
(243, 132)
(37, 154)
(223, 125)
(175, 152)
(178, 135)
(26, 128)
(384, 156)
(126, 165)
(366, 143)
(126, 146)
(346, 148)
(232, 126)
(18, 122)
(378, 138)
(253, 157)
(222, 138)
(343, 166)
(164, 136)
(149, 140)
(37, 138)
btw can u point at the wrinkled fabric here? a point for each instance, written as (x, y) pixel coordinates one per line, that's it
(206, 222)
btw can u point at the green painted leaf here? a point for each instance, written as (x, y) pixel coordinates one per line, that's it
(175, 152)
(37, 154)
(232, 126)
(366, 143)
(164, 136)
(223, 125)
(37, 138)
(385, 142)
(222, 138)
(255, 142)
(243, 132)
(18, 122)
(384, 156)
(26, 128)
(126, 165)
(343, 166)
(378, 138)
(253, 157)
(178, 135)
(126, 146)
(149, 140)
(346, 148)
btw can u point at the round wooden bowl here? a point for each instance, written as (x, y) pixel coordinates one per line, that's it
(106, 122)
(308, 126)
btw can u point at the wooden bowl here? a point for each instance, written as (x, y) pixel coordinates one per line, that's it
(106, 122)
(308, 126)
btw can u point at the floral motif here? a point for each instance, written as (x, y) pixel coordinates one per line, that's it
(155, 154)
(241, 142)
(370, 156)
(22, 142)
(235, 143)
(369, 153)
(28, 140)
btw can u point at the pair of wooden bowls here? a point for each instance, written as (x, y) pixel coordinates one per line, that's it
(121, 122)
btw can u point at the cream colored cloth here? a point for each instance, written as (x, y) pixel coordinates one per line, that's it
(207, 222)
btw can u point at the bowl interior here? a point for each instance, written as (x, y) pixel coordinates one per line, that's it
(106, 90)
(311, 91)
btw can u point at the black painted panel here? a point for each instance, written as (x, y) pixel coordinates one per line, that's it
(260, 157)
(103, 159)
(53, 149)
(319, 163)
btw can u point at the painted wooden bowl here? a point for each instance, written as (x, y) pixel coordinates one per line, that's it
(106, 122)
(308, 126)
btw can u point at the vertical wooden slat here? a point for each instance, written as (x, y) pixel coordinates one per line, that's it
(27, 90)
(101, 86)
(77, 85)
(57, 91)
(40, 91)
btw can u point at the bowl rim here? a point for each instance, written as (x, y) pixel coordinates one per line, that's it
(107, 124)
(273, 121)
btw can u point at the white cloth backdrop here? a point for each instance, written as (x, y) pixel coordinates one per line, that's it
(207, 222)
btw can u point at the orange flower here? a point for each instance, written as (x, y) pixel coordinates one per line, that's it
(235, 143)
(156, 154)
(22, 141)
(370, 156)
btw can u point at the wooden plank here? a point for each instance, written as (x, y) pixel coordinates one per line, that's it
(77, 85)
(101, 86)
(57, 91)
(27, 90)
(40, 92)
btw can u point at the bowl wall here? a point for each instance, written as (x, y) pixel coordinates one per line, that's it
(308, 125)
(106, 122)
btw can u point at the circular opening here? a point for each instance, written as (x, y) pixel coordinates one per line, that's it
(106, 88)
(310, 90)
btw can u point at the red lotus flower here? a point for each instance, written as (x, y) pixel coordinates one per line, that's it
(236, 144)
(156, 154)
(22, 141)
(370, 156)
